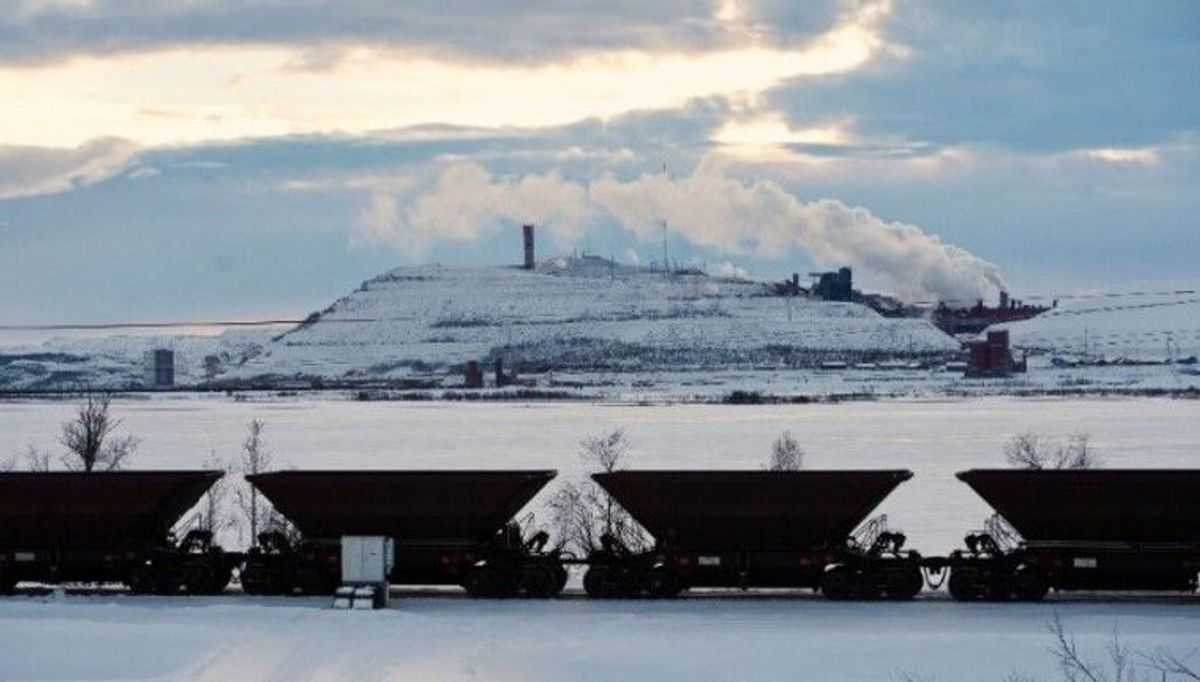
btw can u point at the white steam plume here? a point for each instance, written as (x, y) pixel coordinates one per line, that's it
(707, 208)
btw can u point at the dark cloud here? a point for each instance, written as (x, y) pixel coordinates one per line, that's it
(1025, 75)
(472, 29)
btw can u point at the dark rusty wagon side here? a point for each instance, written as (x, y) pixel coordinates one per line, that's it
(448, 528)
(60, 527)
(1097, 529)
(755, 529)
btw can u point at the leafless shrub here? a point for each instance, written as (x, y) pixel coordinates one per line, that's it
(786, 454)
(582, 513)
(37, 460)
(1171, 665)
(1121, 662)
(255, 460)
(215, 515)
(8, 464)
(1030, 450)
(910, 676)
(90, 441)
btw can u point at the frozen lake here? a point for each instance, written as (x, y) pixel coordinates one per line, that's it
(422, 637)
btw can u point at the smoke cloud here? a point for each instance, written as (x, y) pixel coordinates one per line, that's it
(707, 208)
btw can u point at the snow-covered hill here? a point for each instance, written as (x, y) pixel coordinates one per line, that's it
(578, 315)
(1161, 326)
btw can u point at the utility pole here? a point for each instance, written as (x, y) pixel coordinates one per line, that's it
(662, 223)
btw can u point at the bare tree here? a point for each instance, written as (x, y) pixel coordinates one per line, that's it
(1170, 665)
(90, 441)
(1121, 662)
(582, 513)
(214, 510)
(786, 454)
(1076, 668)
(255, 459)
(37, 460)
(1030, 450)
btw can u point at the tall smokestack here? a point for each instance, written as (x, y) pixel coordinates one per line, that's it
(527, 230)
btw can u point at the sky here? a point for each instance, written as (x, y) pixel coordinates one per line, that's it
(212, 159)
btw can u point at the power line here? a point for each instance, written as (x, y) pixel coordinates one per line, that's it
(109, 326)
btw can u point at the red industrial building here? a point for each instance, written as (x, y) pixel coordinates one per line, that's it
(992, 357)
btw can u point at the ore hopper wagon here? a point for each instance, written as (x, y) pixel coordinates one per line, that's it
(108, 527)
(447, 527)
(1110, 529)
(755, 529)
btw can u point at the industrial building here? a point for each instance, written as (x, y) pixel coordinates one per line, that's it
(159, 368)
(975, 319)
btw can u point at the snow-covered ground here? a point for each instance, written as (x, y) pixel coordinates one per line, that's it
(703, 637)
(226, 638)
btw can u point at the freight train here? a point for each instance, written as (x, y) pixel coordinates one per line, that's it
(1116, 529)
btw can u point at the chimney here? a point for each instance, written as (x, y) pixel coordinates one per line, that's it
(1003, 299)
(527, 230)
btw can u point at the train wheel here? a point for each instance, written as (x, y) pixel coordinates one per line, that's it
(167, 581)
(488, 581)
(477, 582)
(538, 582)
(560, 578)
(224, 577)
(998, 587)
(199, 579)
(596, 582)
(965, 584)
(1030, 585)
(257, 580)
(310, 581)
(662, 584)
(839, 583)
(8, 584)
(141, 580)
(902, 584)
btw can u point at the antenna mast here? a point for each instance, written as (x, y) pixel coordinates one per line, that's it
(662, 223)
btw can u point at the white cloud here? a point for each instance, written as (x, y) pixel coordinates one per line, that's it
(1135, 155)
(29, 171)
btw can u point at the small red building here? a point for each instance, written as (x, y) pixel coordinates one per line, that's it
(992, 357)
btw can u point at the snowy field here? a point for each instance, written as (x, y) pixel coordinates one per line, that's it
(704, 637)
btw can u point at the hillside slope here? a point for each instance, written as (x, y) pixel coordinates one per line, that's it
(578, 314)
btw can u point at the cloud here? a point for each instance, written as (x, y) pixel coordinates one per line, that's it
(470, 30)
(707, 208)
(1039, 77)
(222, 92)
(1143, 156)
(30, 171)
